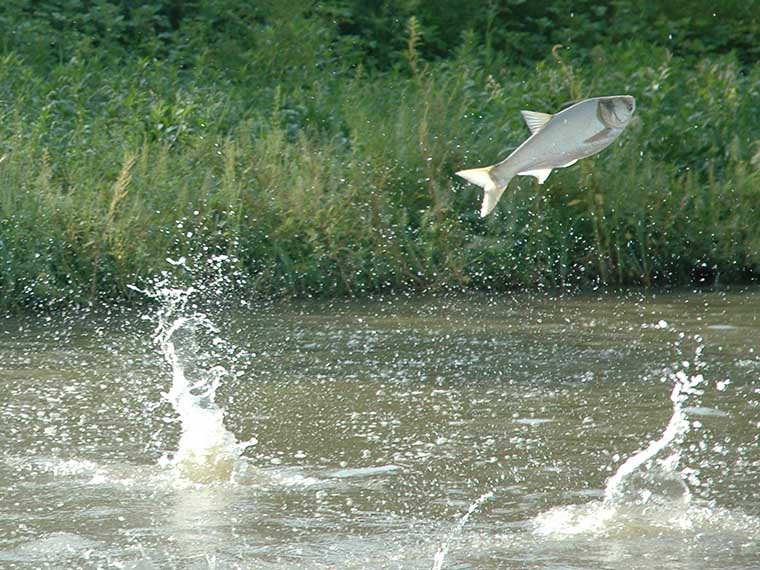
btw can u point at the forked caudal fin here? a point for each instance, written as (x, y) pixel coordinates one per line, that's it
(493, 189)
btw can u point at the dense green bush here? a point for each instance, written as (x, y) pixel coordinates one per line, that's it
(316, 145)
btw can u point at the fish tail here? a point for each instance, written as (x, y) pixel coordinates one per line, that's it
(492, 186)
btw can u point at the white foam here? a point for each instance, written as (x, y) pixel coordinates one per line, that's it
(600, 519)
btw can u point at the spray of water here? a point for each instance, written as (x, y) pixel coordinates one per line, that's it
(440, 555)
(685, 386)
(645, 482)
(199, 359)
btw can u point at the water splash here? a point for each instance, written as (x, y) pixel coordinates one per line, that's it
(619, 487)
(200, 359)
(646, 490)
(457, 531)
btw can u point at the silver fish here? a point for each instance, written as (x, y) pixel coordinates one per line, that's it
(556, 141)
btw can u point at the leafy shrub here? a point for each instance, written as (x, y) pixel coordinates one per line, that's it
(317, 147)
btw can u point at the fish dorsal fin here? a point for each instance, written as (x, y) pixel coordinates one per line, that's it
(535, 120)
(568, 105)
(540, 174)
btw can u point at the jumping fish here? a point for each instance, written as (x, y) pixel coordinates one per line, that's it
(556, 141)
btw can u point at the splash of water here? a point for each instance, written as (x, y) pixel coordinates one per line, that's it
(444, 549)
(684, 387)
(207, 450)
(198, 358)
(645, 486)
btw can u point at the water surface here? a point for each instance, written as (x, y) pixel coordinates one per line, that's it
(467, 432)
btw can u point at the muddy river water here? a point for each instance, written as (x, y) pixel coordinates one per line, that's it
(524, 431)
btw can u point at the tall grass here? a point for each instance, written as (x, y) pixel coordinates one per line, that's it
(319, 176)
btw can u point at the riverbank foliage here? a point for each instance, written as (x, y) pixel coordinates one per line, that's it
(315, 144)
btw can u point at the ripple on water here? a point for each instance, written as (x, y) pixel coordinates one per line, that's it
(54, 547)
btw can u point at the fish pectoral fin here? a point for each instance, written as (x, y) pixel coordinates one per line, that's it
(601, 135)
(569, 163)
(535, 120)
(541, 174)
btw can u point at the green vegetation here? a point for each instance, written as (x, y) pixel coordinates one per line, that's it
(315, 143)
